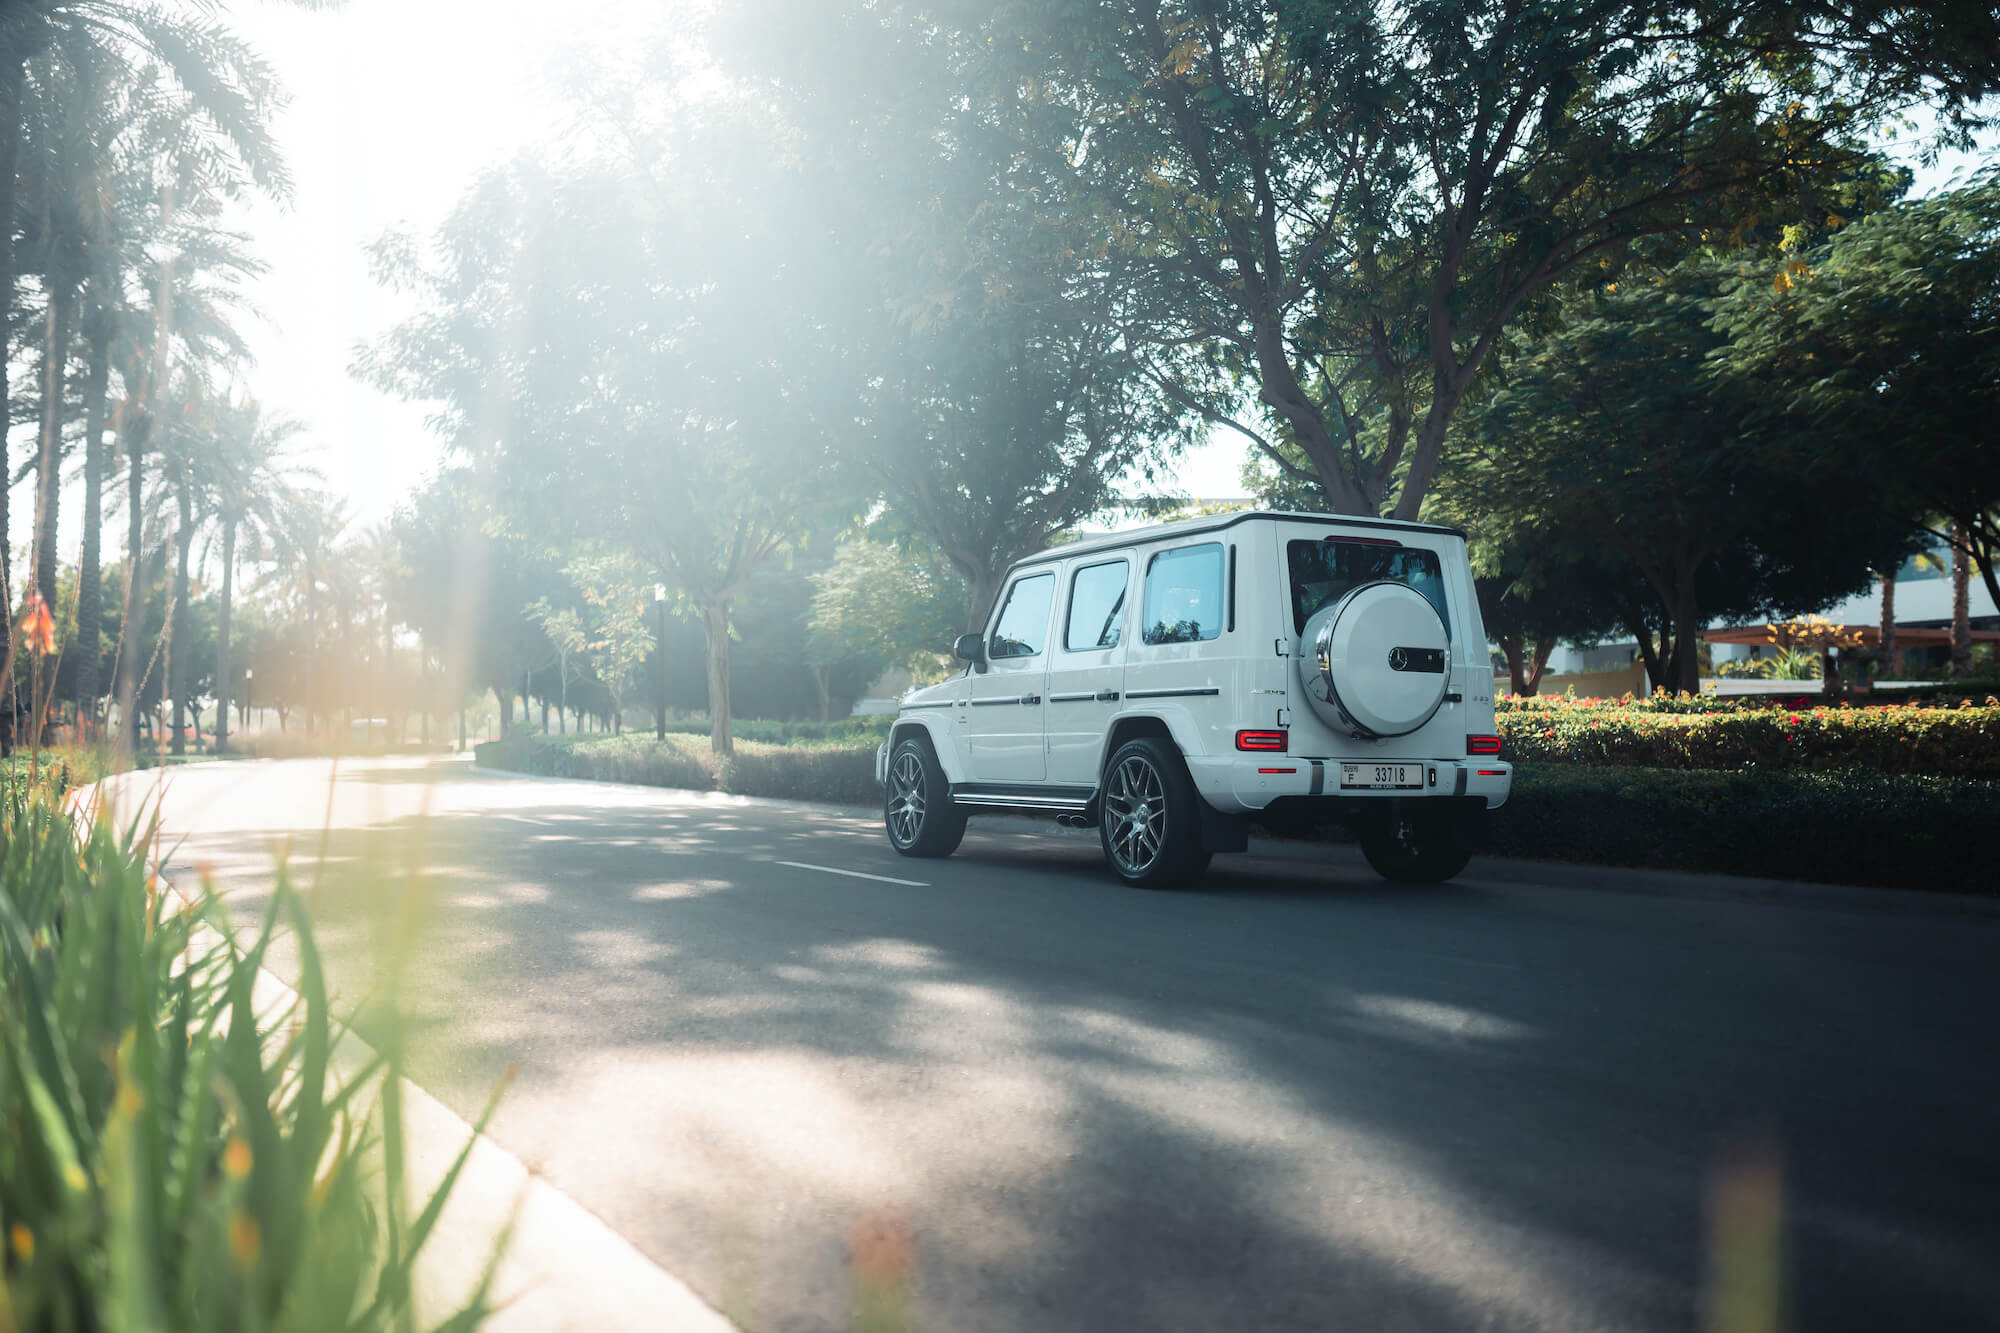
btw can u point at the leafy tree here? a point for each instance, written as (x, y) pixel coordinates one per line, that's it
(564, 628)
(884, 605)
(990, 390)
(1347, 205)
(619, 642)
(661, 401)
(1531, 600)
(1616, 442)
(1881, 341)
(465, 585)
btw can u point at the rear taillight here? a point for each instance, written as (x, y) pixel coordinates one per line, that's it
(1262, 740)
(1482, 745)
(1346, 540)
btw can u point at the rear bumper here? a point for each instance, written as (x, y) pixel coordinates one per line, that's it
(1243, 784)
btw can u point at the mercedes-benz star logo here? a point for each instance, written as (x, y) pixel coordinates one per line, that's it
(1399, 660)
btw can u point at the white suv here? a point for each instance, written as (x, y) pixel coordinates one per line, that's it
(1166, 684)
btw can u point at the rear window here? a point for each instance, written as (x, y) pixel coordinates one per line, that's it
(1323, 572)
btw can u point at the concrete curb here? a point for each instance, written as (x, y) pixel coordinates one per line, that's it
(1490, 872)
(564, 1268)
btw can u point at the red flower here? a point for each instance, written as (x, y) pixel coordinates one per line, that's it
(38, 627)
(1795, 719)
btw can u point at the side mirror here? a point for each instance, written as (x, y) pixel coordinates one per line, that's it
(970, 648)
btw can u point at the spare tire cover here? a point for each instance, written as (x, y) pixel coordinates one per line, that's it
(1378, 661)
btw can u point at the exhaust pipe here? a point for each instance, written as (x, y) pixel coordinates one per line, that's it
(1076, 821)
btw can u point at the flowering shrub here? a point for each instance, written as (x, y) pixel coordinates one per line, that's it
(1959, 742)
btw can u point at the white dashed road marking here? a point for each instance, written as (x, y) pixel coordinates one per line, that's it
(857, 874)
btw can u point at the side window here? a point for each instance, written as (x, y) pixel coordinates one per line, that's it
(1023, 627)
(1096, 607)
(1184, 595)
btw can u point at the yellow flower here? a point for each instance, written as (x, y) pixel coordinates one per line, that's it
(245, 1240)
(236, 1159)
(23, 1241)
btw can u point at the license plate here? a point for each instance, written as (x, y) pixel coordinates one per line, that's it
(1381, 777)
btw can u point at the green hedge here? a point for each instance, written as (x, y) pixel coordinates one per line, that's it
(845, 776)
(766, 731)
(1847, 828)
(1959, 742)
(822, 772)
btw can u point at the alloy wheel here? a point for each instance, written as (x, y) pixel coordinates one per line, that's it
(1135, 806)
(906, 798)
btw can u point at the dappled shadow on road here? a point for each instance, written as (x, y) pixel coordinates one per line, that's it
(1296, 1098)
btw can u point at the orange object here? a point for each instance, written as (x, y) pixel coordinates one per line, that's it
(38, 627)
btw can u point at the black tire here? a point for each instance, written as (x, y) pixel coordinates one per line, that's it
(917, 808)
(1415, 848)
(1148, 816)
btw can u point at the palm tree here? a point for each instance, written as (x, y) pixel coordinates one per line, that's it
(258, 494)
(173, 318)
(228, 92)
(309, 573)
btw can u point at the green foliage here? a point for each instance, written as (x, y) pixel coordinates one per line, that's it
(1962, 742)
(843, 776)
(1320, 219)
(1782, 664)
(791, 761)
(888, 605)
(1613, 446)
(173, 1157)
(1843, 827)
(1881, 339)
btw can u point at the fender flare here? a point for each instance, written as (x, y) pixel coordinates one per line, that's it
(1176, 718)
(943, 743)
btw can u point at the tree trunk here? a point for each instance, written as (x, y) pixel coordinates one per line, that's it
(1657, 655)
(131, 630)
(1684, 671)
(177, 623)
(48, 454)
(222, 663)
(1544, 650)
(715, 630)
(90, 574)
(312, 643)
(1887, 648)
(13, 72)
(1517, 668)
(1429, 448)
(1961, 603)
(985, 585)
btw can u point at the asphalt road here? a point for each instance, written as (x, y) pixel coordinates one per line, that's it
(1294, 1098)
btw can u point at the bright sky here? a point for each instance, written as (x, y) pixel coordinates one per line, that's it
(396, 106)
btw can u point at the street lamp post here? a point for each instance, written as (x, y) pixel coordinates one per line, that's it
(248, 674)
(660, 657)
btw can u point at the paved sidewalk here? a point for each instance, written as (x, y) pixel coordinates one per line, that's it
(563, 1270)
